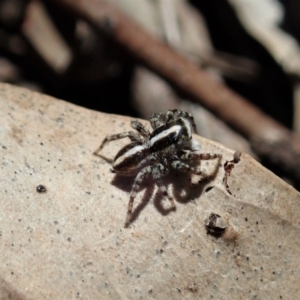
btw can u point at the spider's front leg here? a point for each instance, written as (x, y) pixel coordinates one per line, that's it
(184, 167)
(191, 155)
(135, 137)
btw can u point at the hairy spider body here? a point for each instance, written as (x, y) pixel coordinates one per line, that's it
(169, 145)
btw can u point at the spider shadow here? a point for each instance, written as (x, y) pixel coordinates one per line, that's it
(125, 183)
(182, 190)
(147, 187)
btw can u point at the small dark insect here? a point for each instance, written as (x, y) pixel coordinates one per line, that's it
(168, 146)
(215, 224)
(41, 189)
(228, 167)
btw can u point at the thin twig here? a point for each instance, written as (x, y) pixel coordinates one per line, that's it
(269, 138)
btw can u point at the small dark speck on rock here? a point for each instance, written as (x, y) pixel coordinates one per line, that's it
(208, 189)
(41, 189)
(193, 287)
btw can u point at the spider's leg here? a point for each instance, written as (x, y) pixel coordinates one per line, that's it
(137, 182)
(157, 120)
(190, 155)
(158, 171)
(140, 128)
(183, 167)
(130, 134)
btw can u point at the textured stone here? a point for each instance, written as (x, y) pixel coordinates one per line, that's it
(70, 242)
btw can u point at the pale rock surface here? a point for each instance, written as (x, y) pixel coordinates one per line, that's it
(70, 242)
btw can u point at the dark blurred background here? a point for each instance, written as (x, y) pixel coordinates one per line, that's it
(250, 46)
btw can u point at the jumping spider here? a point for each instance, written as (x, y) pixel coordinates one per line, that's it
(169, 145)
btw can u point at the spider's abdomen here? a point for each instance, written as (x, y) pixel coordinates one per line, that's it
(176, 132)
(128, 159)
